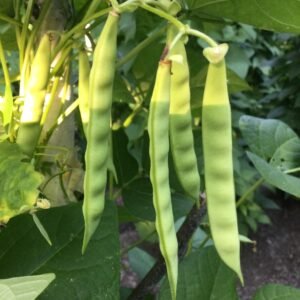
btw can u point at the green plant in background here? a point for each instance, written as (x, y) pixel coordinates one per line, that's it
(119, 100)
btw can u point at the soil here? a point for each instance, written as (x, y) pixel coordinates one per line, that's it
(274, 259)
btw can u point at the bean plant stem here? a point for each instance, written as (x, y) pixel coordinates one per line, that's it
(256, 184)
(252, 188)
(92, 7)
(163, 15)
(24, 33)
(181, 27)
(201, 36)
(10, 20)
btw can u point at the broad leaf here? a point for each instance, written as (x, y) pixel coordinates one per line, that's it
(203, 276)
(264, 136)
(274, 15)
(277, 292)
(18, 184)
(274, 176)
(24, 288)
(287, 156)
(140, 261)
(94, 275)
(138, 200)
(126, 166)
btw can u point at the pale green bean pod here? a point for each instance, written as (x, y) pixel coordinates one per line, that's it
(30, 122)
(181, 132)
(98, 132)
(83, 88)
(158, 128)
(218, 162)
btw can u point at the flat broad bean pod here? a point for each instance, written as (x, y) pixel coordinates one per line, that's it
(98, 130)
(181, 133)
(30, 122)
(158, 128)
(218, 163)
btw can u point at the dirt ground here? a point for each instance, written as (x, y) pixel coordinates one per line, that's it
(276, 258)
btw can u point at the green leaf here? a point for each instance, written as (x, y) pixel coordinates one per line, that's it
(125, 165)
(140, 261)
(287, 156)
(264, 136)
(7, 8)
(235, 83)
(24, 288)
(138, 200)
(274, 176)
(237, 60)
(94, 275)
(203, 276)
(274, 15)
(277, 292)
(18, 184)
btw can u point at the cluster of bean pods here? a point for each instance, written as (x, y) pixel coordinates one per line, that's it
(170, 129)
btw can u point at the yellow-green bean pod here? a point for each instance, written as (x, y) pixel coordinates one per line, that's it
(218, 162)
(30, 122)
(83, 88)
(98, 132)
(181, 132)
(158, 128)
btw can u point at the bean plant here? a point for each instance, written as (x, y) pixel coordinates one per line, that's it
(117, 112)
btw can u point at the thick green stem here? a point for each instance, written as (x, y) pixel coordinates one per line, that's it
(202, 36)
(164, 15)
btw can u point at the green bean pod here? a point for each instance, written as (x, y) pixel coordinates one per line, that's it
(218, 162)
(83, 88)
(30, 122)
(158, 128)
(181, 132)
(98, 132)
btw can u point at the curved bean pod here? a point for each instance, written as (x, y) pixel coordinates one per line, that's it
(158, 127)
(181, 132)
(30, 122)
(98, 132)
(218, 164)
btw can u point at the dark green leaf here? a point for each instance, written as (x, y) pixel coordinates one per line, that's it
(203, 276)
(272, 15)
(138, 200)
(277, 292)
(126, 166)
(94, 275)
